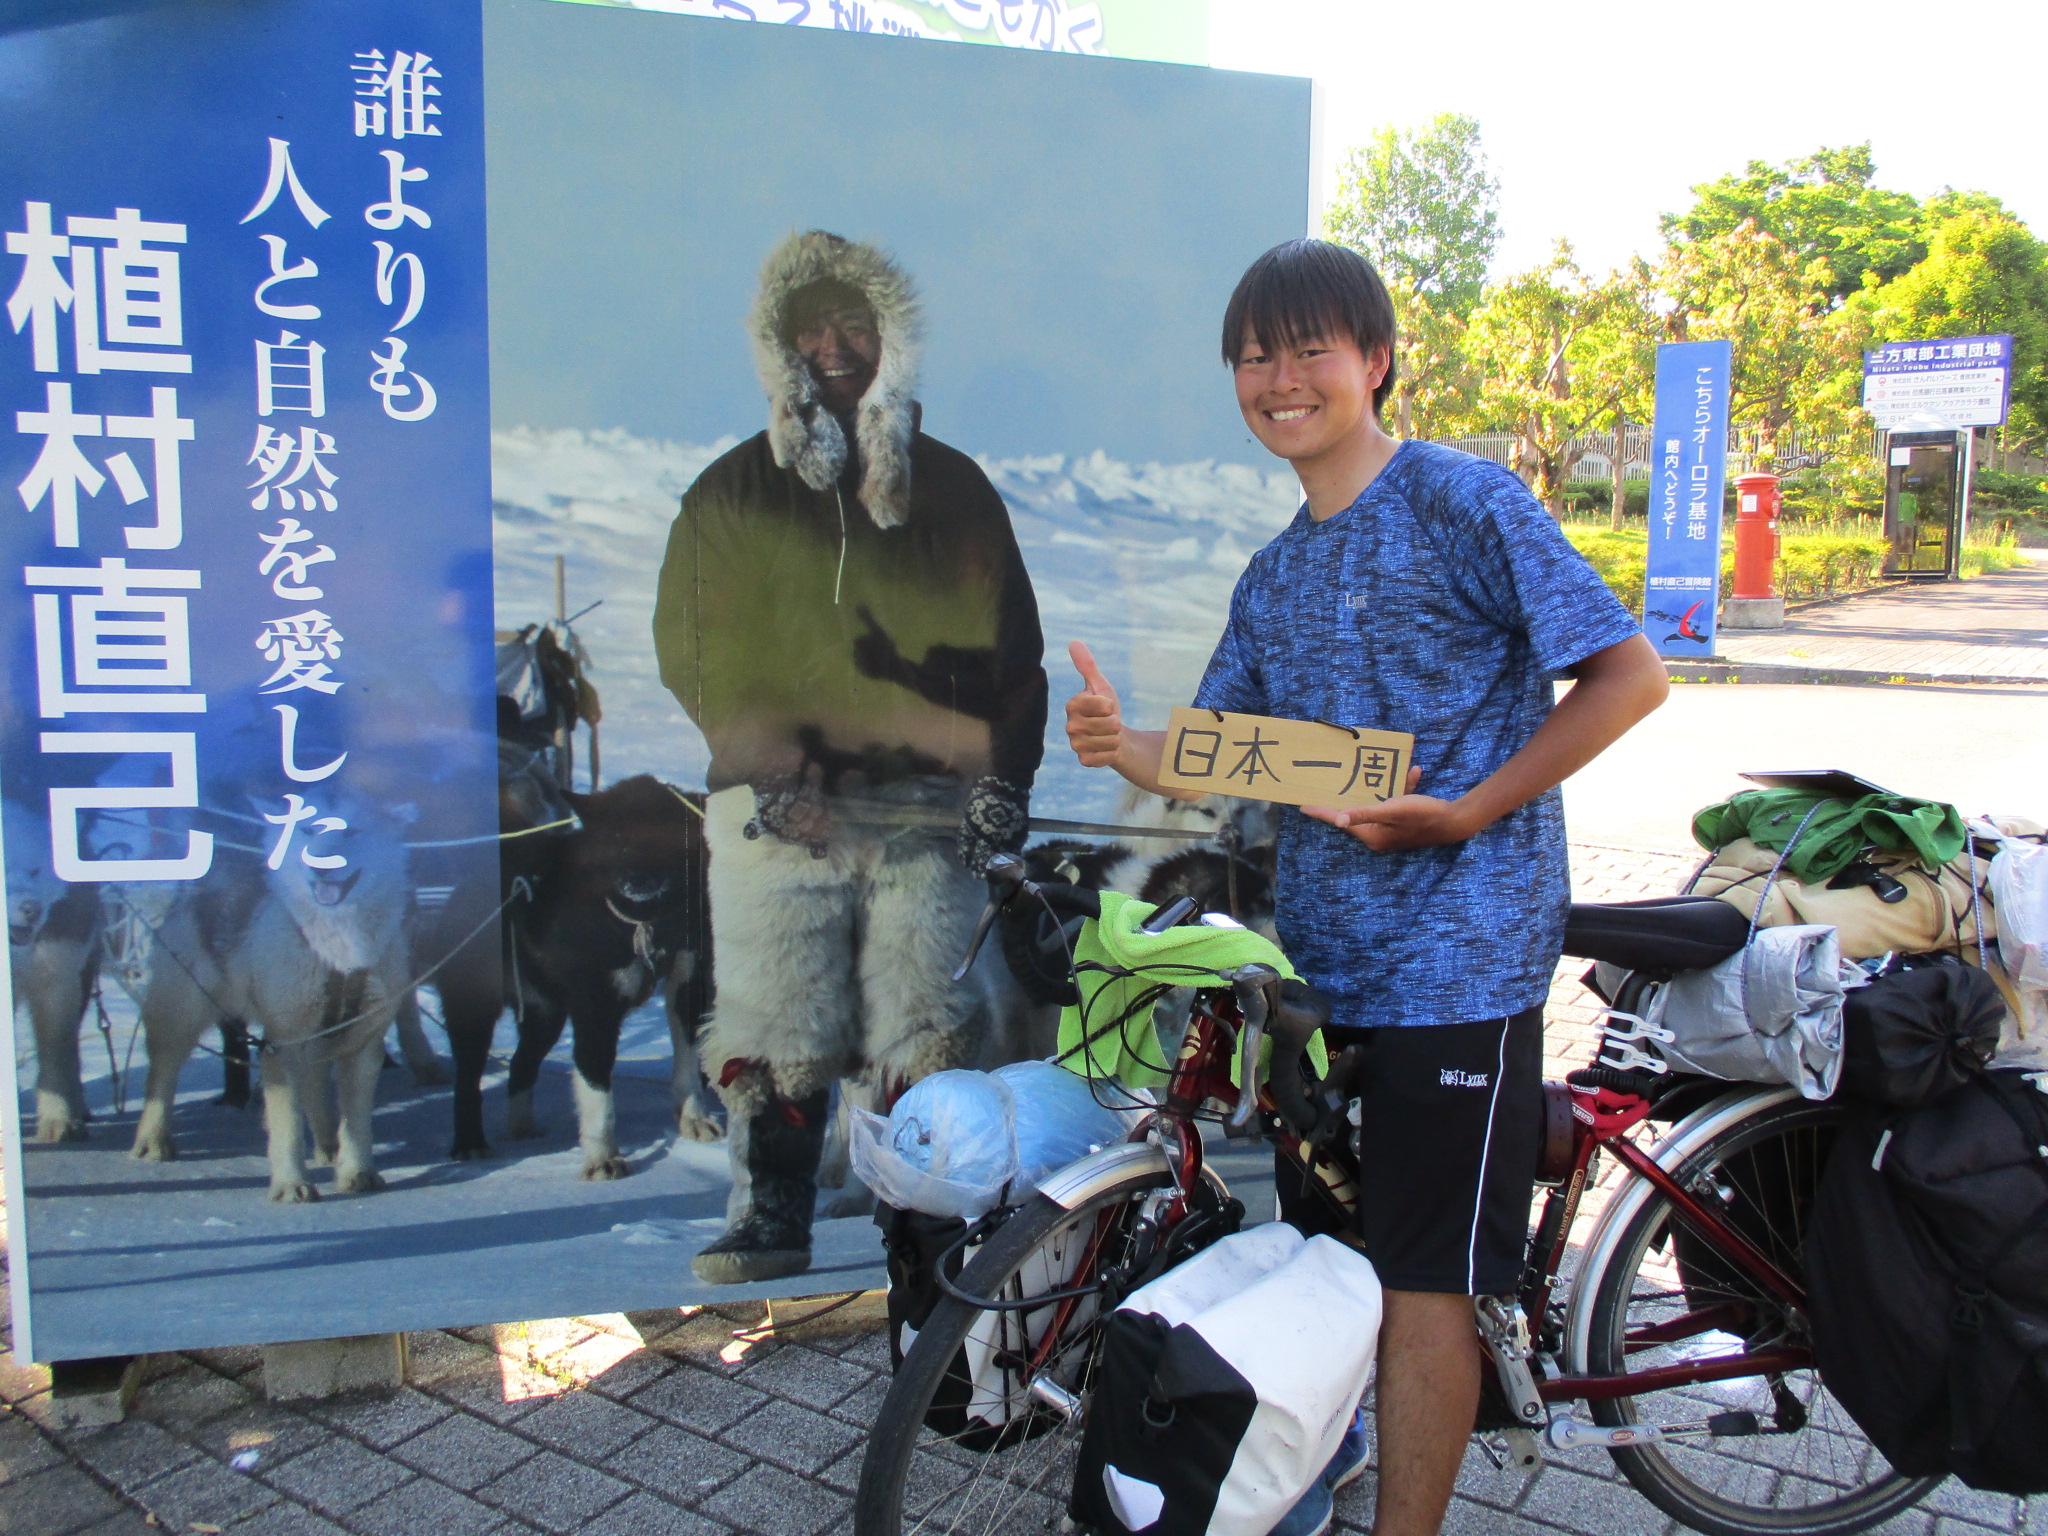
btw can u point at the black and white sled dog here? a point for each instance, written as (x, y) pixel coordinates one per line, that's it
(597, 916)
(53, 951)
(315, 960)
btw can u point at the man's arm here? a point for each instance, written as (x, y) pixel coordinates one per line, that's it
(1099, 737)
(1611, 691)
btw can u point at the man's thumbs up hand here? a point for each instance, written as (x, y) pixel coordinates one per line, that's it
(1095, 725)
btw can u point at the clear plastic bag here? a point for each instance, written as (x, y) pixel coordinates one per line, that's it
(2019, 886)
(1057, 1117)
(949, 1148)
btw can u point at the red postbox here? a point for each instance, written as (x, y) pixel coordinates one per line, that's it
(1755, 604)
(1756, 536)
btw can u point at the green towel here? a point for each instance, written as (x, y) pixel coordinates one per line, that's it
(1119, 1041)
(1838, 832)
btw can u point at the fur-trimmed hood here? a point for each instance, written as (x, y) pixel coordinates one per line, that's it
(803, 434)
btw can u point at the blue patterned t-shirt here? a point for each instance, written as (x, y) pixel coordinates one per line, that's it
(1442, 602)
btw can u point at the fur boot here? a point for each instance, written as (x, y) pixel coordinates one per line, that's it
(775, 1143)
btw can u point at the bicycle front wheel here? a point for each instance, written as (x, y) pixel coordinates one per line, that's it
(962, 1445)
(1788, 1460)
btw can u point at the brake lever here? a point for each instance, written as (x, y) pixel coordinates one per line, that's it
(1251, 983)
(1005, 874)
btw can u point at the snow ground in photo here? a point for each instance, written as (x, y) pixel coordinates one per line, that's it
(1136, 559)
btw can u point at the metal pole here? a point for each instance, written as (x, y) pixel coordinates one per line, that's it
(1955, 568)
(565, 733)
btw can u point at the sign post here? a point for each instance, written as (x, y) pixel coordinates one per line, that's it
(1682, 569)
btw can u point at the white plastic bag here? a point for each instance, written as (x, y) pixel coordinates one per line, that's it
(2019, 888)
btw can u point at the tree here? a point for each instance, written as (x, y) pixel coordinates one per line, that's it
(1748, 287)
(1984, 274)
(1558, 355)
(1435, 388)
(1823, 208)
(1424, 209)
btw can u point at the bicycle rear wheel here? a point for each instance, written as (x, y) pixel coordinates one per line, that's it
(1805, 1469)
(1000, 1459)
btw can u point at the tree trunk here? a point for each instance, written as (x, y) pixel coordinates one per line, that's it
(1402, 396)
(1618, 470)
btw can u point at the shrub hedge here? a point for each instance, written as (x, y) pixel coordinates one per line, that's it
(1809, 565)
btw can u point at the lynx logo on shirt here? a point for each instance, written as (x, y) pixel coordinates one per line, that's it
(1457, 1077)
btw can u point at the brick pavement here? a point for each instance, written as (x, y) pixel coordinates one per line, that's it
(668, 1423)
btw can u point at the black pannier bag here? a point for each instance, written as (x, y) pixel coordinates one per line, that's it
(1193, 1409)
(916, 1244)
(1919, 1031)
(1927, 1272)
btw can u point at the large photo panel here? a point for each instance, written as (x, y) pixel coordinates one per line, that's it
(247, 755)
(836, 382)
(854, 377)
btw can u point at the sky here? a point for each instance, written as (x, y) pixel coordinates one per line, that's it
(1598, 115)
(1075, 224)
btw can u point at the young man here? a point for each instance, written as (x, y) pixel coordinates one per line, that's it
(1421, 590)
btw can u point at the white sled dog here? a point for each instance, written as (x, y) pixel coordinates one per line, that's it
(316, 960)
(53, 949)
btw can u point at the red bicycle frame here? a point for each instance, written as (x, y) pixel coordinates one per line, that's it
(1601, 1119)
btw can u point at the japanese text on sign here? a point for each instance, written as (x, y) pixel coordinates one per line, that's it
(1290, 762)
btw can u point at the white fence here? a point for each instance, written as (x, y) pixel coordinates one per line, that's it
(1745, 451)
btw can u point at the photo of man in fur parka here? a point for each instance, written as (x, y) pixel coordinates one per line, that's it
(844, 614)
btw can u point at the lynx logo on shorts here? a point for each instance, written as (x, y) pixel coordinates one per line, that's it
(1458, 1077)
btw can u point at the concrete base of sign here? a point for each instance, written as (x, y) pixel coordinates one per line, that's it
(325, 1367)
(1753, 613)
(89, 1394)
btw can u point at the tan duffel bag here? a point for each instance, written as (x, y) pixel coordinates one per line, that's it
(1937, 913)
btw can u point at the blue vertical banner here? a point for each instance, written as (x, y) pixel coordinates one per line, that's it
(1689, 463)
(245, 600)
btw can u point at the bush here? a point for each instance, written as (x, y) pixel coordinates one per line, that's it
(1994, 491)
(1810, 565)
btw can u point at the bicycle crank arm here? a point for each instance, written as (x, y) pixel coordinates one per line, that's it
(1567, 1433)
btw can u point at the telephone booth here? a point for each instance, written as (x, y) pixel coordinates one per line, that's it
(1923, 502)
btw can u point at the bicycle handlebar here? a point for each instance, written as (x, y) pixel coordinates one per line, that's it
(1006, 880)
(1261, 1001)
(1251, 983)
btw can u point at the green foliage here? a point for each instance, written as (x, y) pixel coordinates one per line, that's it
(1850, 485)
(1994, 490)
(1557, 354)
(1984, 274)
(1423, 208)
(1810, 565)
(1823, 208)
(1753, 290)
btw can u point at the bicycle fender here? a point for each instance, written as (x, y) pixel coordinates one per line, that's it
(1673, 1148)
(1075, 1185)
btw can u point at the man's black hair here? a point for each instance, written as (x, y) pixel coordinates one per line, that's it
(1309, 288)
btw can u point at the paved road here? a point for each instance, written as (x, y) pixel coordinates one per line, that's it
(1985, 749)
(1992, 626)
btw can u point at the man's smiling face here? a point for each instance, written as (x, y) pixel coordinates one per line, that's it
(836, 337)
(1304, 399)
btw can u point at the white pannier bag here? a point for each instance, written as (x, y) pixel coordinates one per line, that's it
(1226, 1385)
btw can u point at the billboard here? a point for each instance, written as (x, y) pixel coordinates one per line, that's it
(1964, 380)
(1172, 31)
(1682, 576)
(681, 676)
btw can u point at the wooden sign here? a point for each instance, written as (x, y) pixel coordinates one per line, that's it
(1292, 762)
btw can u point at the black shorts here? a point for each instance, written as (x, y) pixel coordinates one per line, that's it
(1451, 1118)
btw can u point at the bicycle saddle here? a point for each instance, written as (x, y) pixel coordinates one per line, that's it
(1663, 935)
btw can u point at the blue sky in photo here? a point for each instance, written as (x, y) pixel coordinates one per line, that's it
(1075, 224)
